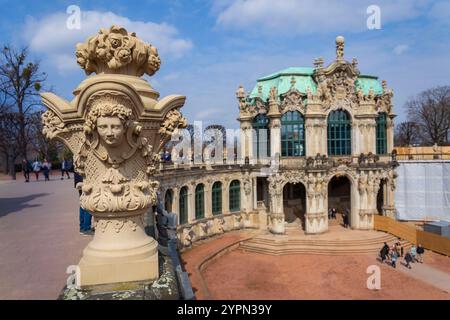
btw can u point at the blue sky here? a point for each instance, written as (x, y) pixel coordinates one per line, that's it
(209, 48)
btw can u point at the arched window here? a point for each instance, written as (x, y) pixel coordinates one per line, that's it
(168, 199)
(200, 201)
(292, 134)
(217, 198)
(235, 196)
(339, 133)
(183, 205)
(381, 133)
(261, 143)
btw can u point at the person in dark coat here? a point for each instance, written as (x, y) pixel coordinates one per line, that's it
(408, 259)
(384, 252)
(26, 168)
(420, 251)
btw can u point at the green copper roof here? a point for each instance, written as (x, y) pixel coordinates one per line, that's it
(282, 80)
(303, 79)
(365, 82)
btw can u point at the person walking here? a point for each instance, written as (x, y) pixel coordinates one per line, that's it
(394, 256)
(384, 252)
(420, 251)
(345, 216)
(37, 168)
(333, 213)
(64, 168)
(413, 252)
(408, 259)
(26, 168)
(85, 216)
(46, 167)
(399, 245)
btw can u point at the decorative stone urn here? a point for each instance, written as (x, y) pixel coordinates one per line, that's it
(115, 126)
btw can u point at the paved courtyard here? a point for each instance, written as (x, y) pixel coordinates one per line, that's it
(238, 274)
(39, 237)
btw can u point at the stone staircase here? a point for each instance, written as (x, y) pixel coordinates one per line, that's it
(341, 242)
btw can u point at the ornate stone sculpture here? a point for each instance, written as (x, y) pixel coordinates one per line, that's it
(339, 47)
(115, 126)
(117, 51)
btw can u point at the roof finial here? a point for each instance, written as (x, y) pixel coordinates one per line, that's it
(318, 63)
(339, 47)
(293, 81)
(240, 92)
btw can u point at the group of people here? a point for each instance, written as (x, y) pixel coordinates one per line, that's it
(166, 156)
(345, 215)
(37, 166)
(392, 254)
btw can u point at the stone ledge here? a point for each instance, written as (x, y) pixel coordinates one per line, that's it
(165, 288)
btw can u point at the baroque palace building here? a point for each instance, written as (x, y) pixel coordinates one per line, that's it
(312, 138)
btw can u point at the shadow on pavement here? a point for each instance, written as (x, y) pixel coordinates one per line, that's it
(11, 205)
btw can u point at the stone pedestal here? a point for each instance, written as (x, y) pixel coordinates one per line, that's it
(119, 252)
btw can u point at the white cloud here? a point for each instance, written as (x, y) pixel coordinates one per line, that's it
(291, 17)
(51, 37)
(398, 50)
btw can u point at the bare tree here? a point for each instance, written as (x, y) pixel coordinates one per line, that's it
(406, 134)
(431, 111)
(20, 83)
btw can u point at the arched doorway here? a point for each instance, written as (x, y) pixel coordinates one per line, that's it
(294, 204)
(339, 197)
(381, 196)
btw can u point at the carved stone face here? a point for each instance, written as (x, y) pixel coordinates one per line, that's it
(110, 130)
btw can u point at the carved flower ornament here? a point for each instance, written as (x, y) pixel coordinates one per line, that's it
(113, 49)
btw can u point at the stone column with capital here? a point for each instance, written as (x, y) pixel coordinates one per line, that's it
(316, 218)
(116, 126)
(276, 216)
(275, 124)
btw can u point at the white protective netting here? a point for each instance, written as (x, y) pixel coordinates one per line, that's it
(423, 190)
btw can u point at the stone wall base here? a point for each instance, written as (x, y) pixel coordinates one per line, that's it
(165, 288)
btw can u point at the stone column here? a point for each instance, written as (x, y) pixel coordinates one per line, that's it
(191, 202)
(246, 138)
(389, 208)
(275, 124)
(176, 202)
(372, 132)
(316, 218)
(390, 133)
(276, 216)
(247, 193)
(275, 137)
(208, 200)
(225, 196)
(368, 186)
(315, 136)
(116, 126)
